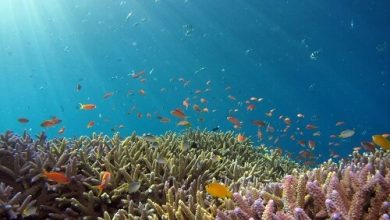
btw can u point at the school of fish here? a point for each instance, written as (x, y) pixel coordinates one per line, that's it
(302, 132)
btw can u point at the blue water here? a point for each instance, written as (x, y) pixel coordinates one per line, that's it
(328, 60)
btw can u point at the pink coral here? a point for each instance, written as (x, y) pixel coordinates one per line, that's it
(300, 214)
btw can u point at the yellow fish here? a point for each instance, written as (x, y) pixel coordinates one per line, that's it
(218, 190)
(381, 141)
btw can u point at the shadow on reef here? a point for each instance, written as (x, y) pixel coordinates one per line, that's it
(164, 178)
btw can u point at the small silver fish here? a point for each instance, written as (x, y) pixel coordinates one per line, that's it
(150, 138)
(128, 16)
(155, 145)
(134, 186)
(185, 145)
(346, 133)
(161, 160)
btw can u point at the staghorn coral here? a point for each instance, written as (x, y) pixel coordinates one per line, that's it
(150, 179)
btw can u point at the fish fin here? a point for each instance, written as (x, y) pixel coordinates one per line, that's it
(81, 105)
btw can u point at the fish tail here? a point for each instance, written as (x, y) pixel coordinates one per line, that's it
(44, 172)
(100, 188)
(81, 105)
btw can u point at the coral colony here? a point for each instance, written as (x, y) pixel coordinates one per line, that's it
(195, 175)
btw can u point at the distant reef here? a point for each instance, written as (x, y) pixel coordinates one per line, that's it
(164, 177)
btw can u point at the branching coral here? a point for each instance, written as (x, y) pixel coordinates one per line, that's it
(155, 178)
(355, 189)
(164, 178)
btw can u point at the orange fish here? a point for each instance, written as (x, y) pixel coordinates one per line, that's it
(260, 135)
(23, 120)
(305, 154)
(58, 177)
(106, 177)
(381, 141)
(218, 190)
(61, 131)
(250, 107)
(311, 127)
(196, 108)
(241, 138)
(90, 124)
(47, 123)
(311, 144)
(234, 121)
(87, 106)
(51, 122)
(302, 143)
(368, 146)
(270, 129)
(258, 123)
(178, 113)
(287, 121)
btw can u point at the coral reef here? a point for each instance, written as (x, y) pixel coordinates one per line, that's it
(164, 177)
(353, 189)
(151, 177)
